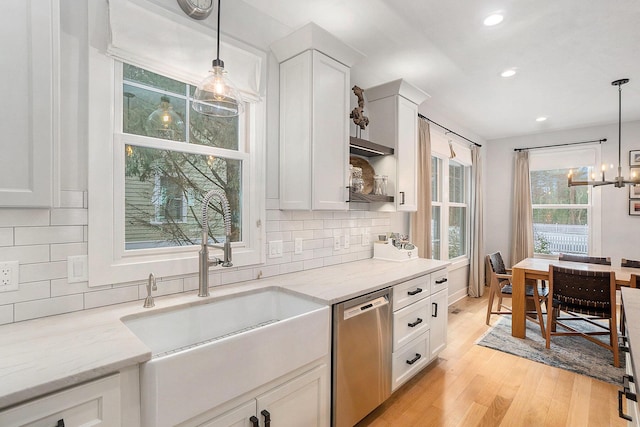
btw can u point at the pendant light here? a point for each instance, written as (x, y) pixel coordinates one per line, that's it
(216, 95)
(165, 123)
(618, 181)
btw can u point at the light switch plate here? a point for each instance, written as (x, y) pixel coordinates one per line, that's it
(297, 246)
(347, 242)
(275, 249)
(366, 240)
(77, 270)
(9, 276)
(336, 243)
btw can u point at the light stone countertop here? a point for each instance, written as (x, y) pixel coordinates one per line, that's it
(48, 354)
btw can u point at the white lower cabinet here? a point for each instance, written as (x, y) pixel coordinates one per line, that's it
(419, 324)
(301, 401)
(96, 403)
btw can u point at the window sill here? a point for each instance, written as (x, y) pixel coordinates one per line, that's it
(457, 263)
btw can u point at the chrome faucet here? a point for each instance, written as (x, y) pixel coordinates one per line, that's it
(203, 256)
(151, 285)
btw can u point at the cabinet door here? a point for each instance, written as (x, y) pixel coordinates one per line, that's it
(237, 417)
(439, 306)
(303, 401)
(93, 404)
(330, 133)
(407, 145)
(29, 40)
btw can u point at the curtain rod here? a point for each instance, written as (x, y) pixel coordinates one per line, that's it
(448, 130)
(600, 141)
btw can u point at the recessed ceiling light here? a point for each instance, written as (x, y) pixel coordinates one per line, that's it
(508, 73)
(541, 119)
(492, 20)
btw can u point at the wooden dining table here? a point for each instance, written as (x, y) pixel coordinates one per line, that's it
(538, 269)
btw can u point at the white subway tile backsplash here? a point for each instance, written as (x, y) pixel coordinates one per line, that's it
(272, 226)
(69, 216)
(165, 287)
(6, 314)
(301, 215)
(25, 254)
(278, 215)
(314, 224)
(60, 287)
(6, 236)
(304, 234)
(60, 252)
(291, 267)
(291, 225)
(312, 263)
(48, 307)
(236, 276)
(27, 292)
(23, 217)
(110, 296)
(322, 215)
(44, 235)
(332, 223)
(43, 271)
(266, 271)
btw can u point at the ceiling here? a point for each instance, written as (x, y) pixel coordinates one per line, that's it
(566, 54)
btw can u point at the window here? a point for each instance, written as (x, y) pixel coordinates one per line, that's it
(563, 216)
(449, 210)
(167, 174)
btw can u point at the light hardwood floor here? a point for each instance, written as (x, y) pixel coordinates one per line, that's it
(470, 385)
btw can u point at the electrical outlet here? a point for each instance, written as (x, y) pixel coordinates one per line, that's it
(9, 276)
(336, 242)
(297, 246)
(275, 249)
(347, 242)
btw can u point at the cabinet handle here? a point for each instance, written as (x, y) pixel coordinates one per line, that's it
(254, 421)
(402, 198)
(348, 194)
(623, 344)
(434, 304)
(441, 281)
(414, 360)
(60, 423)
(267, 418)
(626, 393)
(414, 324)
(417, 291)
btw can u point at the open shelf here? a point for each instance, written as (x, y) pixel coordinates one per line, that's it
(368, 198)
(364, 148)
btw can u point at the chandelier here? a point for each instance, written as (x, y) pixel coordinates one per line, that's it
(618, 181)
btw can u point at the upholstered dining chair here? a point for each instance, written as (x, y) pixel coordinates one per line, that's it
(632, 283)
(583, 296)
(585, 259)
(500, 287)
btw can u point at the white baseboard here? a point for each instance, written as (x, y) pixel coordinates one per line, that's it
(457, 296)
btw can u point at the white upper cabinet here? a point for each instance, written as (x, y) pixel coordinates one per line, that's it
(29, 45)
(314, 120)
(393, 121)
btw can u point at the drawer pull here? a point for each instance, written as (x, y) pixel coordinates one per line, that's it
(414, 324)
(623, 344)
(267, 418)
(254, 421)
(60, 423)
(414, 360)
(434, 313)
(441, 281)
(416, 292)
(402, 198)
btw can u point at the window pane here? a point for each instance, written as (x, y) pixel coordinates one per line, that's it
(456, 182)
(435, 232)
(560, 230)
(154, 114)
(435, 180)
(457, 232)
(221, 132)
(150, 79)
(163, 194)
(550, 187)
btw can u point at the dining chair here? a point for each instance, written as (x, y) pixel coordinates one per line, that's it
(585, 258)
(500, 287)
(583, 296)
(632, 284)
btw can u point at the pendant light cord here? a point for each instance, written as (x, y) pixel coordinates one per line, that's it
(619, 126)
(218, 38)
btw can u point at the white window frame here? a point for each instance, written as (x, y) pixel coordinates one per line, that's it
(109, 263)
(571, 157)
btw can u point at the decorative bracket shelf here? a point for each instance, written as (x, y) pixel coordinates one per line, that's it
(364, 148)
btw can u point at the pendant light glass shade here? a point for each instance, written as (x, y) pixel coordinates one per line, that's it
(216, 95)
(165, 123)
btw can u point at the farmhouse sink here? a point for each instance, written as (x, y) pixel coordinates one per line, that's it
(206, 354)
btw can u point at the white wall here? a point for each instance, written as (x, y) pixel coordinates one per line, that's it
(620, 232)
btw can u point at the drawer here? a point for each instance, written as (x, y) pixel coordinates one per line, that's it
(411, 291)
(439, 280)
(409, 360)
(411, 322)
(92, 404)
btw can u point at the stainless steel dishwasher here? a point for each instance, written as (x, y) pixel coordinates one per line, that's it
(361, 374)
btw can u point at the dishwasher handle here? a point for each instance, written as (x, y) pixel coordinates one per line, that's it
(359, 309)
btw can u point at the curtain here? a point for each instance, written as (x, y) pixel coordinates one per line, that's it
(476, 268)
(522, 231)
(421, 219)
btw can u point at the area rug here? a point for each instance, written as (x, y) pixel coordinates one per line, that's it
(573, 354)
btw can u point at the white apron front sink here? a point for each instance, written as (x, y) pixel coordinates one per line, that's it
(209, 353)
